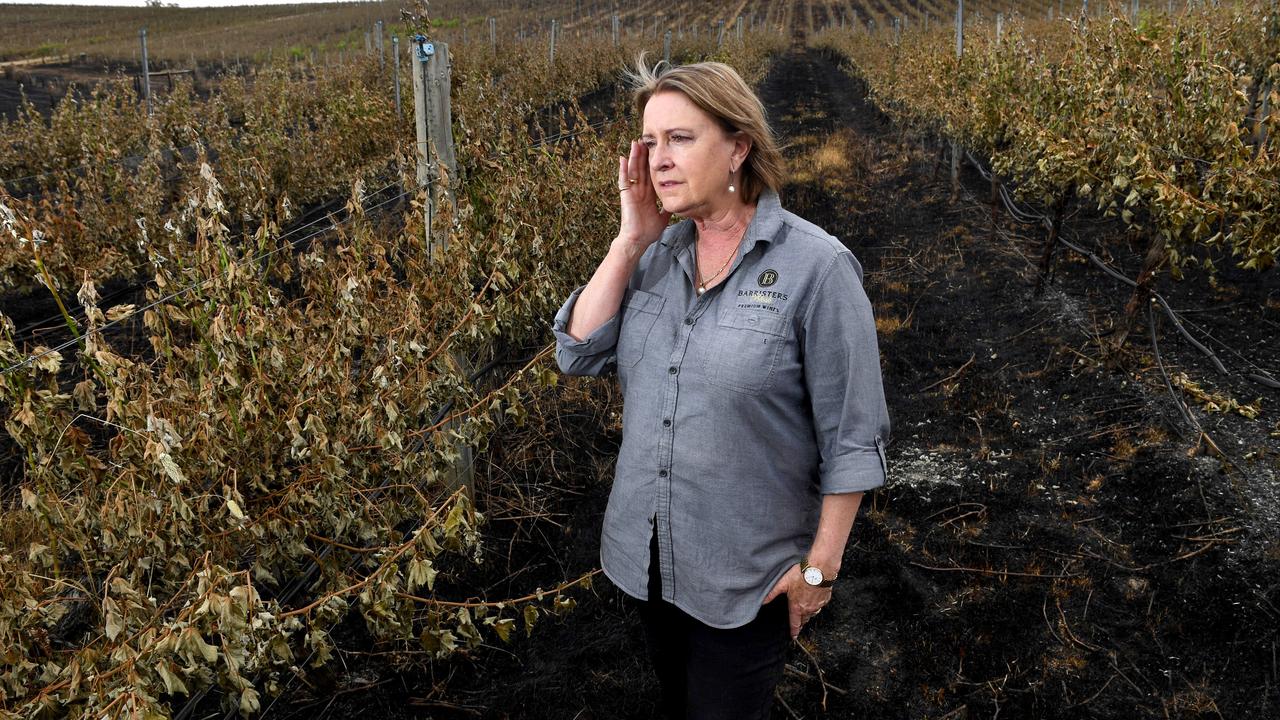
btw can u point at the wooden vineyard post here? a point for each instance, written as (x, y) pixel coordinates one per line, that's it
(382, 51)
(417, 59)
(615, 30)
(395, 69)
(431, 82)
(955, 144)
(493, 34)
(434, 125)
(555, 25)
(666, 47)
(739, 28)
(146, 70)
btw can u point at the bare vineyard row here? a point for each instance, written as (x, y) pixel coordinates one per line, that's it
(1162, 119)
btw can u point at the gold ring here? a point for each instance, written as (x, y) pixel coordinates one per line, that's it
(623, 189)
(633, 181)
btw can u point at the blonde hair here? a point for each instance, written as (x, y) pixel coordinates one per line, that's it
(718, 90)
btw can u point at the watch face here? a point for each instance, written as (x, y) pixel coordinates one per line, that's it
(813, 575)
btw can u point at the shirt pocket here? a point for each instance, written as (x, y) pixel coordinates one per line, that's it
(744, 350)
(639, 314)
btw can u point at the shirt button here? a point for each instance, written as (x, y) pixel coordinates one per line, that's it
(672, 370)
(688, 321)
(662, 473)
(667, 423)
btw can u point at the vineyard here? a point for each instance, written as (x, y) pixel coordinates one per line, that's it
(278, 446)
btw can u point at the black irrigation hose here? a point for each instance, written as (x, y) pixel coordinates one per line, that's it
(1262, 377)
(1183, 410)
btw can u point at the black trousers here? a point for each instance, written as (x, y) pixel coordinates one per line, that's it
(709, 673)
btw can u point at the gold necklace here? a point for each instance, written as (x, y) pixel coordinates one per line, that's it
(702, 283)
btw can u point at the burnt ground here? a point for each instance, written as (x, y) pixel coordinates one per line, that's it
(1054, 541)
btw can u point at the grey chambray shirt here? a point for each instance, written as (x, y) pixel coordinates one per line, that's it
(741, 408)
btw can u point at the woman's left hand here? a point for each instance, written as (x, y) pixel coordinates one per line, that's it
(803, 600)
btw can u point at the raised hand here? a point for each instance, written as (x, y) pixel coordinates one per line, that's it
(642, 222)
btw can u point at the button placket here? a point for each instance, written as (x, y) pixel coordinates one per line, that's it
(666, 448)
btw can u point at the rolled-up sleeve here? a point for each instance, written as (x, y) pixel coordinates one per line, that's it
(593, 355)
(842, 374)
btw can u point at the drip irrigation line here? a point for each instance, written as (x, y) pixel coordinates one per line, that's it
(1183, 410)
(1261, 376)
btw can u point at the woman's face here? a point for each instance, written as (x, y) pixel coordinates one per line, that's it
(690, 156)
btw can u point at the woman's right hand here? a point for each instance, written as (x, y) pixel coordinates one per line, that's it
(642, 222)
(641, 225)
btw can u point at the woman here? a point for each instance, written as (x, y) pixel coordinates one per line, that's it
(753, 411)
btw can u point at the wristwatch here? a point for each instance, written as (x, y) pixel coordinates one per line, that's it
(813, 576)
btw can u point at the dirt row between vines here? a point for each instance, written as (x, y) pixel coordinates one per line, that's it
(1052, 543)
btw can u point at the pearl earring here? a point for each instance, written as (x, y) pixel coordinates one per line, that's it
(731, 187)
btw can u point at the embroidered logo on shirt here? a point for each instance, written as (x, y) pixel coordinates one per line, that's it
(760, 300)
(767, 278)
